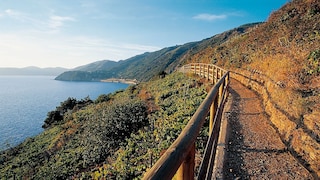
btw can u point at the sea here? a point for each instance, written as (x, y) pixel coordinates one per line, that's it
(26, 100)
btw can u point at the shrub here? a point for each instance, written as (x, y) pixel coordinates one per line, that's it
(107, 130)
(313, 65)
(66, 107)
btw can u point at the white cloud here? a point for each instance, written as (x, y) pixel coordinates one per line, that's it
(24, 19)
(58, 21)
(139, 48)
(88, 4)
(45, 23)
(210, 17)
(9, 12)
(14, 14)
(107, 49)
(26, 49)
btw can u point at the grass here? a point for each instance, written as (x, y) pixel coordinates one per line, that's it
(117, 137)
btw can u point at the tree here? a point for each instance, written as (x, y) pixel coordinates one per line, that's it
(52, 117)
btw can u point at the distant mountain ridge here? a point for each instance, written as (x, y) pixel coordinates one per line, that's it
(145, 66)
(33, 70)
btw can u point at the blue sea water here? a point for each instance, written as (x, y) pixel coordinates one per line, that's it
(26, 100)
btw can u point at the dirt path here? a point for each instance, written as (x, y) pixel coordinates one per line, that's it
(255, 151)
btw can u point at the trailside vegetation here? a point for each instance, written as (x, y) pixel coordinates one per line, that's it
(280, 59)
(117, 136)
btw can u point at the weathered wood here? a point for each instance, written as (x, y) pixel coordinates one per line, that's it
(180, 155)
(168, 164)
(186, 169)
(208, 72)
(206, 167)
(213, 110)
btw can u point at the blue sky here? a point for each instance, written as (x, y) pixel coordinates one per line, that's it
(70, 33)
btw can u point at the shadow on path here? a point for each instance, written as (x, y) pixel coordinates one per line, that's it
(254, 149)
(234, 161)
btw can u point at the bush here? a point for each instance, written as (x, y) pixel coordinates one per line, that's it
(175, 98)
(106, 131)
(103, 98)
(66, 107)
(313, 66)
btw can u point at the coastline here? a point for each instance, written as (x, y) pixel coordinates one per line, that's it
(36, 102)
(117, 80)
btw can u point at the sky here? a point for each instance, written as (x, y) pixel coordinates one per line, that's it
(70, 33)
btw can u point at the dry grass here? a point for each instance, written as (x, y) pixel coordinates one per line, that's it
(279, 50)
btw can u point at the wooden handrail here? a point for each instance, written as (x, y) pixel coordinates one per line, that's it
(180, 155)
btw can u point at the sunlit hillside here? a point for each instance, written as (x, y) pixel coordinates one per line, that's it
(117, 136)
(121, 135)
(280, 59)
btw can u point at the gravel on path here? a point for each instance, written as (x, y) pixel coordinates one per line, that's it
(255, 151)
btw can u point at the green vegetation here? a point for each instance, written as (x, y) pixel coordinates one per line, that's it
(313, 65)
(66, 108)
(121, 135)
(172, 101)
(145, 66)
(117, 136)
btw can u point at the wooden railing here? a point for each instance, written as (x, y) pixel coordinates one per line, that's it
(179, 157)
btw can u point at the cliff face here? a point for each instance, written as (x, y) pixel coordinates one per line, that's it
(280, 59)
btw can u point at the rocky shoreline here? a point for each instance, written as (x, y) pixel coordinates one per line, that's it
(117, 80)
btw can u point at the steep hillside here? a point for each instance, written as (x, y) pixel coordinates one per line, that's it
(117, 136)
(97, 66)
(280, 59)
(145, 66)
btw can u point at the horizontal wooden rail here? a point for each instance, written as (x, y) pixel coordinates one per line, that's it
(206, 167)
(179, 157)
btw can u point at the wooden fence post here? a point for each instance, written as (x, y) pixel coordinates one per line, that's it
(217, 74)
(221, 91)
(226, 84)
(179, 159)
(213, 76)
(213, 110)
(186, 169)
(208, 72)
